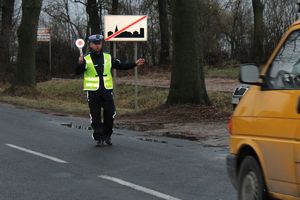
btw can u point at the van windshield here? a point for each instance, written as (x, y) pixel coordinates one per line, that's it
(284, 73)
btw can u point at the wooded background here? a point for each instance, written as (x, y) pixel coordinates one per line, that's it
(195, 33)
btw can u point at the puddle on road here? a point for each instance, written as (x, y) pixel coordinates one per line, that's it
(215, 145)
(81, 127)
(75, 126)
(51, 113)
(140, 126)
(181, 136)
(60, 115)
(152, 140)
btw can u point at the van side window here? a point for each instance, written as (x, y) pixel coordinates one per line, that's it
(284, 73)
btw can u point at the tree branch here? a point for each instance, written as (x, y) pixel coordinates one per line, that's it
(78, 1)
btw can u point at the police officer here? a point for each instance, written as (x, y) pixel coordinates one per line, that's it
(97, 69)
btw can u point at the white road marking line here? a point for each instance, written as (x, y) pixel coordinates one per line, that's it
(138, 188)
(221, 156)
(36, 153)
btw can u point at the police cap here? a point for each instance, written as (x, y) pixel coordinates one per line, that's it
(96, 39)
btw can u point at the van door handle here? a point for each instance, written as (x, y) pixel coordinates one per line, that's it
(298, 106)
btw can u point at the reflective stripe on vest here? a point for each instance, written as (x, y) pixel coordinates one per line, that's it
(91, 79)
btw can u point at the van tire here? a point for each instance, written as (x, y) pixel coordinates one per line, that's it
(251, 184)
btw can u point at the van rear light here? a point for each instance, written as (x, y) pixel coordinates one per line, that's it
(229, 126)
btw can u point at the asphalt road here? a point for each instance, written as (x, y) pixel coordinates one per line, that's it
(41, 159)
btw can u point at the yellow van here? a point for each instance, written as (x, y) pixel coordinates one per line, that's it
(264, 159)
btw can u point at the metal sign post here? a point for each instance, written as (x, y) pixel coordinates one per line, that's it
(43, 35)
(115, 71)
(136, 107)
(129, 28)
(50, 58)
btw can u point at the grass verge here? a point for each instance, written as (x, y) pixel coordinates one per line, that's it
(224, 72)
(66, 96)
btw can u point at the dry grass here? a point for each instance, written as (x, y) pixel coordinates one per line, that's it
(47, 104)
(224, 72)
(66, 96)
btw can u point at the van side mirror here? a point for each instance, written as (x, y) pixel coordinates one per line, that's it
(249, 74)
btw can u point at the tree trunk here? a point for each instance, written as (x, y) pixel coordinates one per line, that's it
(27, 38)
(92, 10)
(187, 82)
(6, 28)
(100, 3)
(114, 7)
(114, 11)
(164, 58)
(258, 40)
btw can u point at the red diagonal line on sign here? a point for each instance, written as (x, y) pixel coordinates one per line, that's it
(120, 31)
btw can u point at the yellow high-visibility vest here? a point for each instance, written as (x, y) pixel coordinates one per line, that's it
(91, 78)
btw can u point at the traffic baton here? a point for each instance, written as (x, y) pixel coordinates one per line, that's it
(80, 44)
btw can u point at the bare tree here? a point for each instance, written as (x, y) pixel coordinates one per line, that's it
(6, 31)
(187, 82)
(150, 49)
(258, 37)
(27, 38)
(164, 32)
(59, 10)
(114, 7)
(278, 15)
(94, 19)
(114, 11)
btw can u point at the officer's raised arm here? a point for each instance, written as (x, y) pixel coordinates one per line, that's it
(117, 64)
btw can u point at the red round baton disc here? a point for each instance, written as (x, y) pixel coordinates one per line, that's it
(80, 43)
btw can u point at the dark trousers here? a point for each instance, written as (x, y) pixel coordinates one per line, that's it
(97, 101)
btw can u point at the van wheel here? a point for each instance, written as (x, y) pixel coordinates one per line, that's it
(251, 181)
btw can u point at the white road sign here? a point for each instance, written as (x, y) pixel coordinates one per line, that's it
(125, 28)
(43, 35)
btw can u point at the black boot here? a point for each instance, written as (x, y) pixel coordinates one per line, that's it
(100, 143)
(107, 140)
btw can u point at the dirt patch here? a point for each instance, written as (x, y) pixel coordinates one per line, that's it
(221, 84)
(205, 124)
(213, 134)
(192, 122)
(207, 133)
